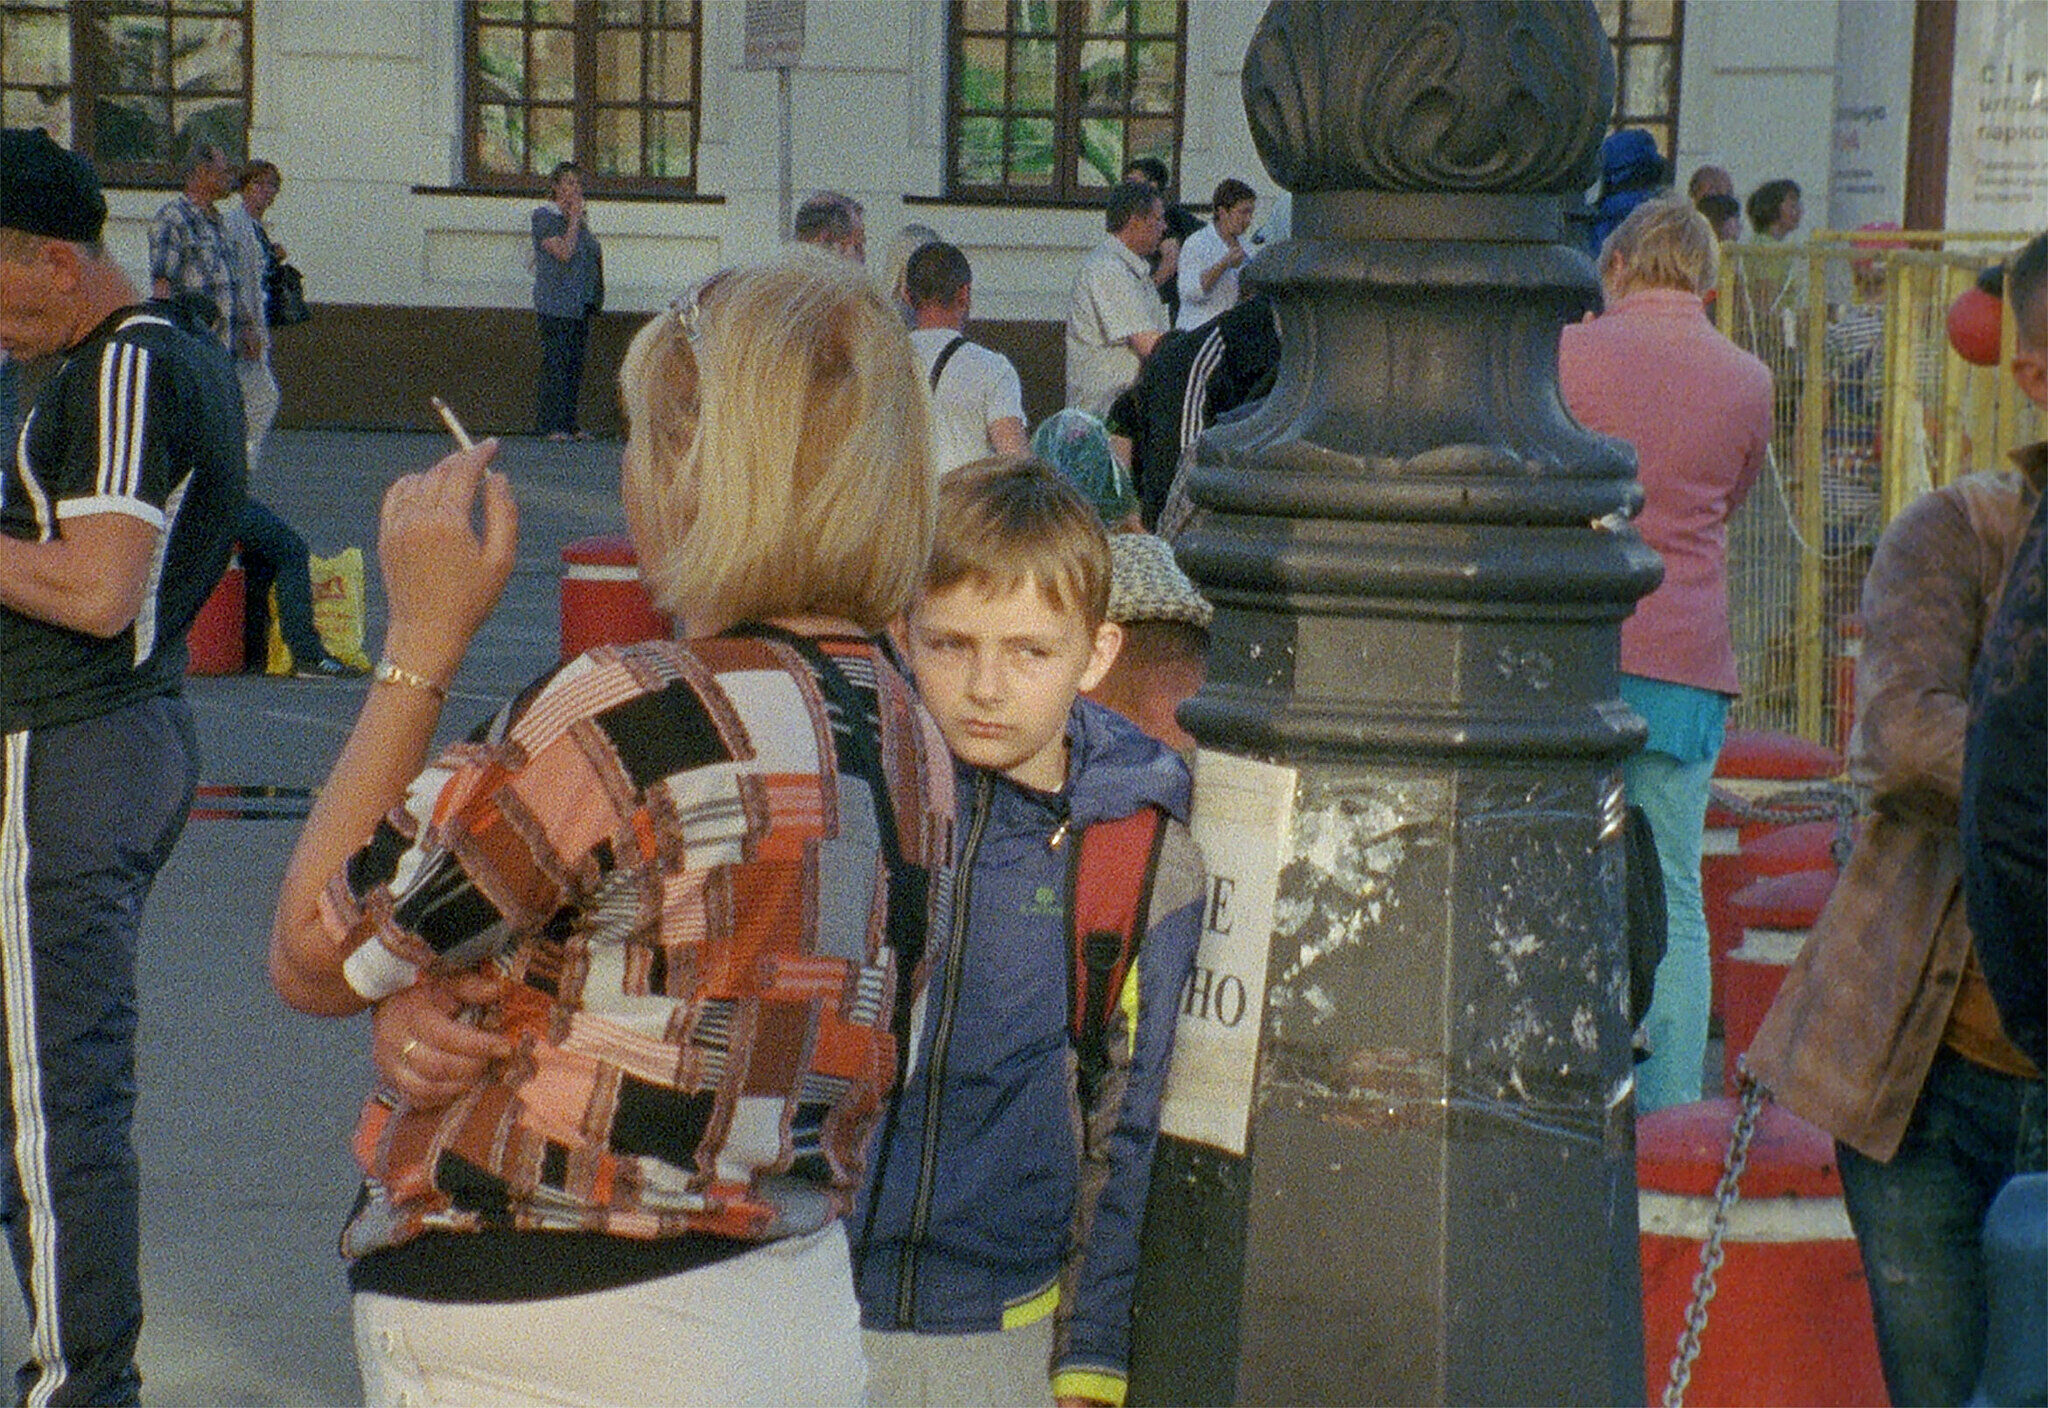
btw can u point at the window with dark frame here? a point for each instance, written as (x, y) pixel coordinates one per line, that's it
(131, 83)
(611, 85)
(1648, 36)
(1049, 100)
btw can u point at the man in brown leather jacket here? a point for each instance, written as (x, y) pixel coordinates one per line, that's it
(1885, 1033)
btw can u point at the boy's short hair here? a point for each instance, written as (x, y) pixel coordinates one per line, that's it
(1004, 522)
(1767, 200)
(1231, 193)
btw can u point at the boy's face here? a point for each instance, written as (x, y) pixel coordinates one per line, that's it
(1000, 673)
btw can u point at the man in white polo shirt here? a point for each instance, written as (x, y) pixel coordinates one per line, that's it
(977, 402)
(1116, 317)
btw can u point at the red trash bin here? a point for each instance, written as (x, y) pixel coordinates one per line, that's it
(604, 601)
(214, 644)
(1790, 1321)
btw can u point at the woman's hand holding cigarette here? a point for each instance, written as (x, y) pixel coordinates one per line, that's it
(442, 575)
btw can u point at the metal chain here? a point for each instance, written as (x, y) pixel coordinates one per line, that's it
(1725, 1194)
(1827, 801)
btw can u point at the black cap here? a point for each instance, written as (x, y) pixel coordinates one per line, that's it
(45, 190)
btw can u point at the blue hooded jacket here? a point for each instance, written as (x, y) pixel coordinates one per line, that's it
(987, 1205)
(1631, 172)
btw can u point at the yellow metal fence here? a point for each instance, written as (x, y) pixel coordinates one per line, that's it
(1874, 407)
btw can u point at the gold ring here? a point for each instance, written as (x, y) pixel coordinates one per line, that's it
(405, 1051)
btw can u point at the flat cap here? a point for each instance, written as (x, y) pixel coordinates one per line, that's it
(1146, 583)
(46, 190)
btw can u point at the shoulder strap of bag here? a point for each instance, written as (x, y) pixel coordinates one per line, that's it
(945, 356)
(1109, 894)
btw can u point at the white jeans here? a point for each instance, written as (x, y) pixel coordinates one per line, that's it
(778, 1325)
(260, 400)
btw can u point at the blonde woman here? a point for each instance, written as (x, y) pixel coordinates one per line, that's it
(1652, 370)
(641, 951)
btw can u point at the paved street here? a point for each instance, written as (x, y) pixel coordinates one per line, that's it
(246, 1106)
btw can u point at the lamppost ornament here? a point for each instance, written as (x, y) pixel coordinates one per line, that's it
(1435, 97)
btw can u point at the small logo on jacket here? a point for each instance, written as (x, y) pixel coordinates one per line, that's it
(1043, 904)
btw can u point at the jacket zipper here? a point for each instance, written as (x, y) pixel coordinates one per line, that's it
(935, 1069)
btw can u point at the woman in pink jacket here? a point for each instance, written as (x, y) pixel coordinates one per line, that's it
(1652, 370)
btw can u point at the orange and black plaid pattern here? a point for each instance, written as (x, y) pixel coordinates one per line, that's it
(687, 886)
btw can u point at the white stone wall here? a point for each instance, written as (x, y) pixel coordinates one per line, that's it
(1757, 94)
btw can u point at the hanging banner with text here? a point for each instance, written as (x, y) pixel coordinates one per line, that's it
(1873, 78)
(1243, 821)
(1998, 127)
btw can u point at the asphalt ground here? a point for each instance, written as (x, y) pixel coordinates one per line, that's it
(246, 1106)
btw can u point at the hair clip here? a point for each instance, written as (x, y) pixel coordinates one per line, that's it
(689, 315)
(689, 309)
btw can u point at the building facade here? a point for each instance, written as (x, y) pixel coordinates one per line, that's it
(414, 137)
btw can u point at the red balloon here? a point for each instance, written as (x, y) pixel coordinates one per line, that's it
(1973, 321)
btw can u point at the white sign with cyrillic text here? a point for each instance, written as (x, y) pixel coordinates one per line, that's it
(1243, 820)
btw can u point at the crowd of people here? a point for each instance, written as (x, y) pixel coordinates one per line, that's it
(732, 1002)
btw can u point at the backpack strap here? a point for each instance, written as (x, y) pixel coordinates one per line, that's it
(1109, 897)
(945, 356)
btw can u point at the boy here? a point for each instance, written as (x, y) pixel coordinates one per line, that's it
(997, 1239)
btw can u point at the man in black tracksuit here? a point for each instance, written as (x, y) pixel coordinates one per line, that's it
(117, 502)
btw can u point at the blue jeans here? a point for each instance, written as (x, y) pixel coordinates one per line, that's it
(1919, 1220)
(1673, 795)
(273, 554)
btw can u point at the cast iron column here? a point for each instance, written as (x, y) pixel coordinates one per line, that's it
(1420, 569)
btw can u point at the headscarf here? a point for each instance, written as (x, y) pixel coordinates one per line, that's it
(1077, 445)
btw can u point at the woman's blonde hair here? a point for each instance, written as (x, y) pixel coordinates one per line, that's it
(778, 459)
(1664, 243)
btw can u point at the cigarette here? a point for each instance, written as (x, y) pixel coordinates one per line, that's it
(454, 426)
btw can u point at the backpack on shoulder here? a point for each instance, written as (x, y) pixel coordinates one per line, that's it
(1109, 898)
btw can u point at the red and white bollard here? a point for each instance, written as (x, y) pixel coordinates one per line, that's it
(1777, 914)
(1787, 850)
(1752, 766)
(604, 602)
(1851, 637)
(1790, 1320)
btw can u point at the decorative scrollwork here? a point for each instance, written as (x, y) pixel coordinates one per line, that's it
(1445, 96)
